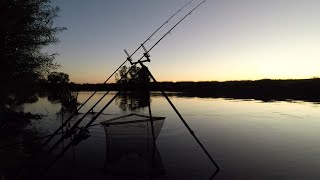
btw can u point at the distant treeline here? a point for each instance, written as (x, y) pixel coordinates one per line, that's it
(266, 89)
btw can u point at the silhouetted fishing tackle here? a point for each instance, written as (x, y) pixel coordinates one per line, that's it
(82, 133)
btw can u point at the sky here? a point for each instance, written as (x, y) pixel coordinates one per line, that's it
(222, 40)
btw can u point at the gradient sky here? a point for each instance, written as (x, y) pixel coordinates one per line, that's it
(222, 40)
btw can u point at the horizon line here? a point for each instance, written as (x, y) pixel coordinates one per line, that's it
(313, 78)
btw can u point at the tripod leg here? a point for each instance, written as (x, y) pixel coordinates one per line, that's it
(153, 143)
(152, 128)
(185, 123)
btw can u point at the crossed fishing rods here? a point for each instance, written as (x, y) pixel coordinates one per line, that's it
(67, 121)
(128, 59)
(75, 126)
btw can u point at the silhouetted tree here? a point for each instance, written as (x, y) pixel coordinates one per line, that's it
(124, 77)
(133, 73)
(58, 78)
(59, 91)
(26, 27)
(57, 86)
(136, 81)
(121, 75)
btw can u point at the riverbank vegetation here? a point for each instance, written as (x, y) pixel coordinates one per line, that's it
(265, 89)
(27, 27)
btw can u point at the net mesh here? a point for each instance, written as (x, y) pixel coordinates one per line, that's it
(130, 147)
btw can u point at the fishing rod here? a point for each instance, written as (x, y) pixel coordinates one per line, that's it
(167, 21)
(129, 56)
(34, 139)
(168, 32)
(128, 59)
(19, 143)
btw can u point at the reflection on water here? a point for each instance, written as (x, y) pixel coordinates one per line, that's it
(248, 139)
(132, 101)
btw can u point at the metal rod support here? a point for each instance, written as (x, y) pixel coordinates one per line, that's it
(185, 123)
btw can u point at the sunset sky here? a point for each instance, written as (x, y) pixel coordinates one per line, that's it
(222, 40)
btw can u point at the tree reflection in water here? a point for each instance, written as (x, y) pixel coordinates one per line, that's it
(133, 100)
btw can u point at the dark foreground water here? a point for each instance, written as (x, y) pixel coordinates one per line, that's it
(248, 139)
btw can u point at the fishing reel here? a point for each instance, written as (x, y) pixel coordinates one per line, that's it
(83, 134)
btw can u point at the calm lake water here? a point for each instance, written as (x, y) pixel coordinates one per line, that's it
(248, 139)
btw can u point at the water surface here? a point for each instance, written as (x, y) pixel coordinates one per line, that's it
(248, 139)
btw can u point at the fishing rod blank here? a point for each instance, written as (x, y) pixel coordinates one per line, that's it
(168, 32)
(160, 28)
